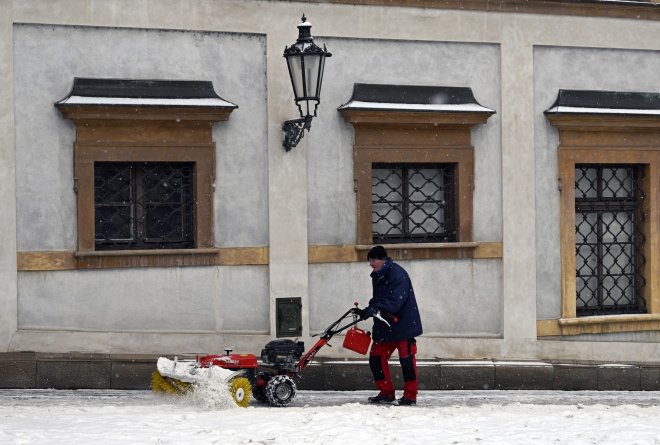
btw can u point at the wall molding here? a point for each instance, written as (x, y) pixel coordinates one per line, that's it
(241, 256)
(649, 10)
(604, 324)
(422, 251)
(119, 259)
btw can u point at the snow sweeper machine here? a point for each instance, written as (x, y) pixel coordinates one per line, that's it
(269, 381)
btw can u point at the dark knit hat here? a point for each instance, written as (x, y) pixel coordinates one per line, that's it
(377, 253)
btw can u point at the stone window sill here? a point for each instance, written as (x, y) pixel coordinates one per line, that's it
(602, 324)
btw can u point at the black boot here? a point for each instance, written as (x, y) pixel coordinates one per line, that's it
(380, 398)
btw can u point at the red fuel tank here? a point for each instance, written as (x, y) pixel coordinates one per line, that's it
(357, 340)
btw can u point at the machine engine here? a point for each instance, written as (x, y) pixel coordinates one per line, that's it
(282, 353)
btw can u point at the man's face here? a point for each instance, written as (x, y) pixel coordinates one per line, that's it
(375, 264)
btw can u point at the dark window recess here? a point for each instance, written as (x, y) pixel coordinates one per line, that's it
(289, 317)
(609, 256)
(143, 205)
(413, 203)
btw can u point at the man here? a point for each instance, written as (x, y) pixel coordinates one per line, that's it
(396, 324)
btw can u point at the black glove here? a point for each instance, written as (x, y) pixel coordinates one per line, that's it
(365, 313)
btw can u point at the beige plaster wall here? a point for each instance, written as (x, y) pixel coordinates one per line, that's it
(517, 36)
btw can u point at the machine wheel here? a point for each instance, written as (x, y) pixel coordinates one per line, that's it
(280, 390)
(241, 391)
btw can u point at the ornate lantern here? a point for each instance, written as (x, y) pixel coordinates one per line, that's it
(306, 62)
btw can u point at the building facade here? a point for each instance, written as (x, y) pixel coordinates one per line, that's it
(508, 157)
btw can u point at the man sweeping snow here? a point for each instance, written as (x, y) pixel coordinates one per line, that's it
(394, 298)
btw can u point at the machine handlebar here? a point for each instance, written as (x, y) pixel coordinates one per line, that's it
(332, 330)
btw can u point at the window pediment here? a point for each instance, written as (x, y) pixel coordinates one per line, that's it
(144, 100)
(414, 104)
(598, 110)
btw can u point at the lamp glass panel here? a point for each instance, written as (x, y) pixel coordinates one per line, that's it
(312, 65)
(296, 73)
(320, 81)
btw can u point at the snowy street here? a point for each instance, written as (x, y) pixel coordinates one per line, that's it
(441, 417)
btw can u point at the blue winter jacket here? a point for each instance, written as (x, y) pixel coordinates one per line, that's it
(393, 294)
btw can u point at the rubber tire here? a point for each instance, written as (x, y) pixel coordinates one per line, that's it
(280, 390)
(241, 391)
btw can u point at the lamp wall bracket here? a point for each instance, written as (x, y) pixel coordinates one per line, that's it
(294, 130)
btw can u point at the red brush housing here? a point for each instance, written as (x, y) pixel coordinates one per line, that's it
(246, 362)
(230, 361)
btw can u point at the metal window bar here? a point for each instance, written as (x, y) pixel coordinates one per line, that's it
(608, 239)
(146, 205)
(413, 203)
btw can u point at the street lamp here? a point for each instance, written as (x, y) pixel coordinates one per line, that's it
(305, 61)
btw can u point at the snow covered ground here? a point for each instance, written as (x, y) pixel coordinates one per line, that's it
(101, 417)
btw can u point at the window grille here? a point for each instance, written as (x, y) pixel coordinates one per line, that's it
(143, 205)
(608, 240)
(413, 203)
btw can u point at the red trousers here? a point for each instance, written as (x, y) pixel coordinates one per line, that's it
(378, 362)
